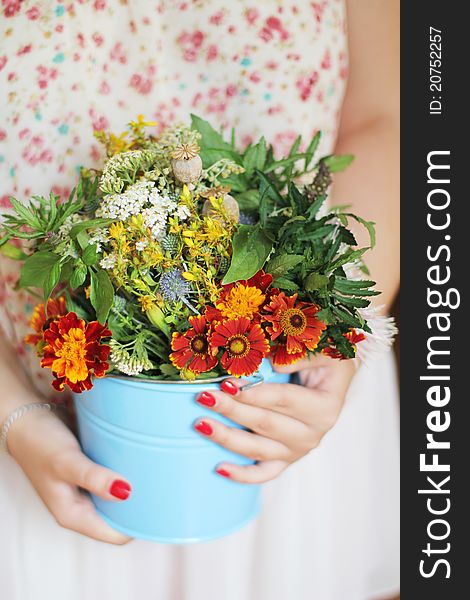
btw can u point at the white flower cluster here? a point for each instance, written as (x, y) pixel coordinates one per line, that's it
(130, 202)
(121, 360)
(64, 230)
(119, 167)
(99, 238)
(143, 198)
(183, 212)
(141, 245)
(108, 262)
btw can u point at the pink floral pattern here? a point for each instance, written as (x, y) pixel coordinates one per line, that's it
(276, 68)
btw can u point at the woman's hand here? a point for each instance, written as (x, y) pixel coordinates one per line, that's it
(286, 421)
(51, 458)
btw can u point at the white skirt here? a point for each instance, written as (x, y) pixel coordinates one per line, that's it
(329, 528)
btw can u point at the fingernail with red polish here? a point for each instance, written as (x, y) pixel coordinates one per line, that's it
(203, 428)
(120, 489)
(229, 387)
(222, 472)
(206, 399)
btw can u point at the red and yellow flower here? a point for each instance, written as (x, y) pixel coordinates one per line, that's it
(55, 308)
(243, 298)
(353, 336)
(243, 343)
(294, 324)
(280, 356)
(74, 352)
(191, 350)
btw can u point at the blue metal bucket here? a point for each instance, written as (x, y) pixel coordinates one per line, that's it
(144, 431)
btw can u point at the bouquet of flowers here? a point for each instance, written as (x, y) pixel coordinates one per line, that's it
(184, 261)
(186, 258)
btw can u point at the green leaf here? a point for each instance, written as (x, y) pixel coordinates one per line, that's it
(78, 276)
(90, 255)
(255, 157)
(346, 317)
(169, 371)
(285, 284)
(352, 287)
(351, 301)
(101, 294)
(36, 269)
(248, 201)
(25, 213)
(312, 147)
(90, 224)
(347, 257)
(338, 162)
(326, 316)
(251, 248)
(280, 265)
(288, 225)
(315, 206)
(268, 186)
(342, 343)
(12, 251)
(298, 201)
(316, 281)
(51, 280)
(213, 146)
(369, 225)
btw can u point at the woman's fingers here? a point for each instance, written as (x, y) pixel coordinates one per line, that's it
(258, 473)
(265, 422)
(75, 468)
(74, 510)
(286, 398)
(242, 442)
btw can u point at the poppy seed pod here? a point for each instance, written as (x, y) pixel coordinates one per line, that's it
(230, 206)
(186, 163)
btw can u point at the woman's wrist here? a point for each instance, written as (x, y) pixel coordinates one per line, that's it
(17, 415)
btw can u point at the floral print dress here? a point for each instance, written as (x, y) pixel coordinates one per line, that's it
(276, 68)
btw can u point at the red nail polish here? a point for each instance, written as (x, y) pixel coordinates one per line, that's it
(206, 399)
(229, 387)
(203, 428)
(120, 489)
(223, 472)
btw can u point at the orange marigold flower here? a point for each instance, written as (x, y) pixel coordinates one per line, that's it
(243, 298)
(353, 336)
(295, 321)
(74, 352)
(39, 320)
(191, 350)
(241, 301)
(244, 345)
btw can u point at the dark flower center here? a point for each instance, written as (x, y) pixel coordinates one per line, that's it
(293, 321)
(199, 345)
(238, 346)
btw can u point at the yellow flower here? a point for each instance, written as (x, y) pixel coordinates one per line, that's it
(116, 230)
(146, 303)
(141, 122)
(241, 301)
(185, 195)
(124, 247)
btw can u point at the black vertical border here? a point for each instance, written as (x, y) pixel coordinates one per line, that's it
(421, 133)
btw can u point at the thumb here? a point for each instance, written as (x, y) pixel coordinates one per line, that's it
(79, 470)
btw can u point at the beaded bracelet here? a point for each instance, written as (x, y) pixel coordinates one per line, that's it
(18, 413)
